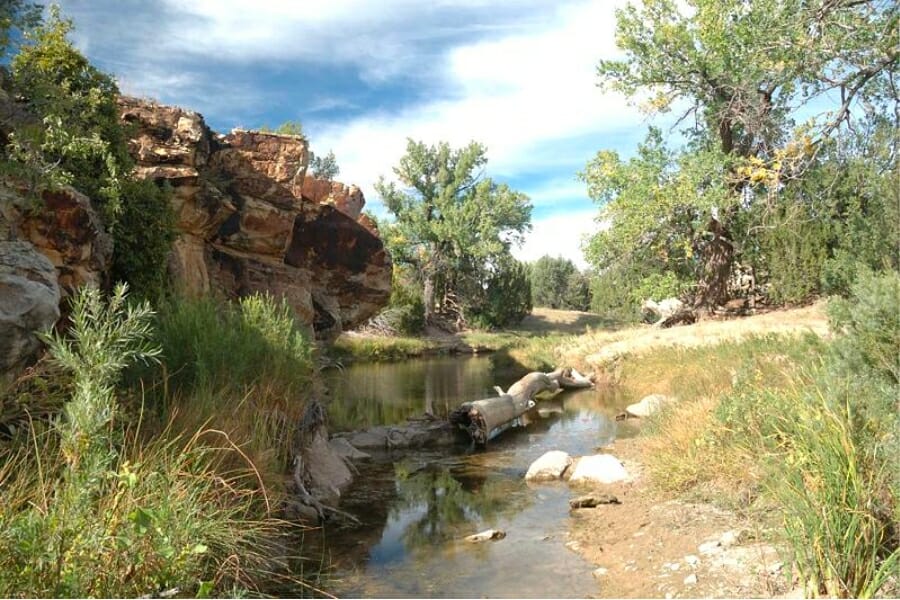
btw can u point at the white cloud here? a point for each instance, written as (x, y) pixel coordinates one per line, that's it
(519, 95)
(559, 235)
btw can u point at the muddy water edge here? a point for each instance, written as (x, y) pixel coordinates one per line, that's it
(415, 507)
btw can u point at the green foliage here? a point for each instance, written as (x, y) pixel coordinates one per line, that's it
(450, 223)
(407, 312)
(80, 142)
(104, 340)
(324, 167)
(79, 101)
(16, 16)
(745, 182)
(868, 325)
(145, 232)
(286, 128)
(507, 296)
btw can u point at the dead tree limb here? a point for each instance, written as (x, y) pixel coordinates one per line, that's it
(485, 419)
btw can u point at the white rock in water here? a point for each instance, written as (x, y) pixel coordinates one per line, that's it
(549, 467)
(649, 405)
(599, 468)
(487, 535)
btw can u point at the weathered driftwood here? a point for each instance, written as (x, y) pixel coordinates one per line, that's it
(485, 419)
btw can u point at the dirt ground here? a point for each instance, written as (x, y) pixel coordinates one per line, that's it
(652, 547)
(655, 547)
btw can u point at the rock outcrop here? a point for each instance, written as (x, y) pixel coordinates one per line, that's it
(250, 220)
(29, 302)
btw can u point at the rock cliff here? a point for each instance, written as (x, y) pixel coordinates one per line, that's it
(249, 219)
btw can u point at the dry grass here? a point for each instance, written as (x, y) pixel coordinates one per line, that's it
(599, 349)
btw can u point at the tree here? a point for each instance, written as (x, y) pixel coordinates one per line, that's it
(451, 223)
(550, 281)
(16, 16)
(742, 69)
(77, 139)
(324, 167)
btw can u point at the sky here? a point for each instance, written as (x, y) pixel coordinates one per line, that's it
(363, 76)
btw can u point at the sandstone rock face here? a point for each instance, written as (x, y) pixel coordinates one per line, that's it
(251, 221)
(70, 234)
(29, 302)
(348, 200)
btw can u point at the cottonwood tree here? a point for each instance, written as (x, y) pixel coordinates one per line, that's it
(452, 223)
(738, 71)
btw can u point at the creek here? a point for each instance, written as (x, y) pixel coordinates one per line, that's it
(416, 507)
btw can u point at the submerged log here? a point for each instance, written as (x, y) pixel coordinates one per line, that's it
(485, 419)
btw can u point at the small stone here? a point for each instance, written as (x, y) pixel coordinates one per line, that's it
(691, 579)
(669, 596)
(729, 538)
(600, 572)
(712, 547)
(487, 535)
(692, 560)
(775, 568)
(674, 566)
(573, 546)
(593, 500)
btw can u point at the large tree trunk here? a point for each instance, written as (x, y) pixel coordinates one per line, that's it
(718, 256)
(485, 419)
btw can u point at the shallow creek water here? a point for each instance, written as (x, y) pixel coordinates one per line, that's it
(415, 507)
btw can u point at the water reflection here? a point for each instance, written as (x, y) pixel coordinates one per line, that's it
(416, 508)
(387, 393)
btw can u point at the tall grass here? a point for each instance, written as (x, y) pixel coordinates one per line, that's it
(244, 369)
(111, 504)
(817, 432)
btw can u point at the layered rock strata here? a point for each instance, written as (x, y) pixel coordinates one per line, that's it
(250, 220)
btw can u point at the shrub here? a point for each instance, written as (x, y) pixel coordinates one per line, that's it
(868, 326)
(507, 296)
(143, 238)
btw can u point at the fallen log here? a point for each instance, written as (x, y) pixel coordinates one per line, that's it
(485, 419)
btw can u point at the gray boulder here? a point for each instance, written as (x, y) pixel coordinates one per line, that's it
(649, 405)
(29, 302)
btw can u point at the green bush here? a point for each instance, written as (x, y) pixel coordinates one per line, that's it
(868, 326)
(143, 238)
(506, 299)
(215, 345)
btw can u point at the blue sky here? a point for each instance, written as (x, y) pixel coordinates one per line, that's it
(517, 76)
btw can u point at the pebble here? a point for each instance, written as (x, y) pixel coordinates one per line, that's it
(690, 579)
(669, 596)
(729, 538)
(692, 560)
(672, 566)
(573, 546)
(710, 547)
(600, 572)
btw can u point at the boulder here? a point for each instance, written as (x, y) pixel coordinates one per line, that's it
(599, 468)
(486, 536)
(549, 467)
(29, 302)
(327, 473)
(593, 501)
(649, 405)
